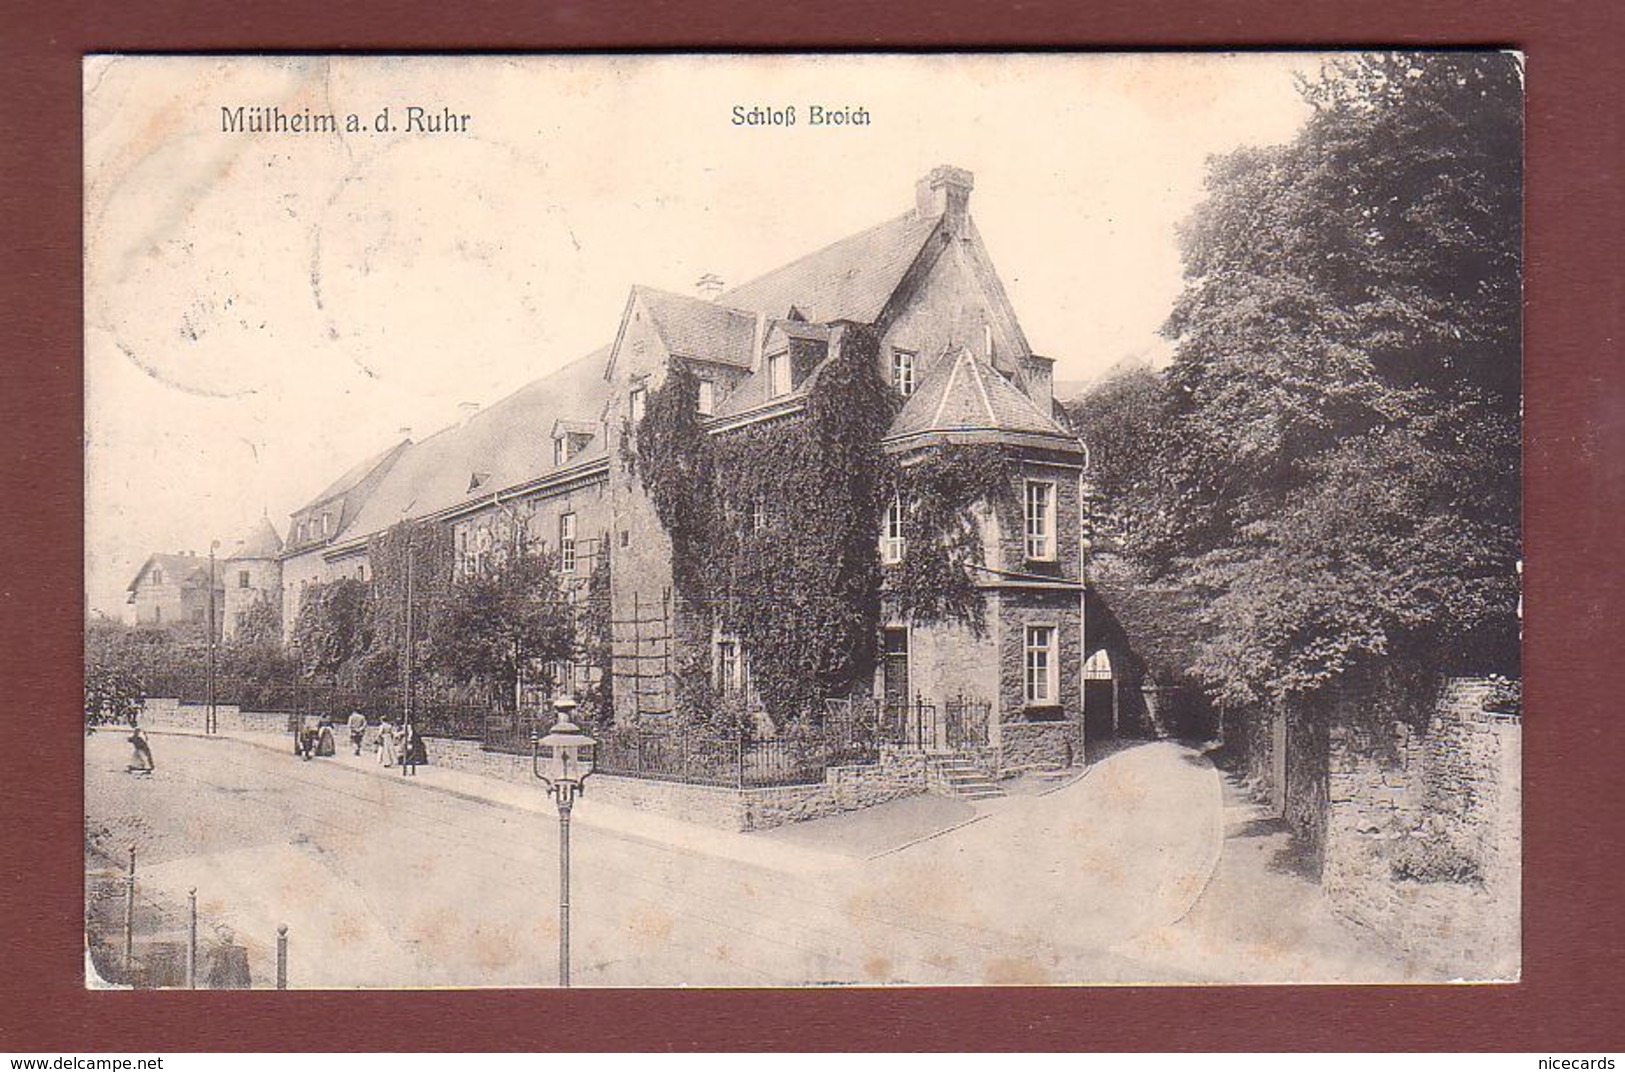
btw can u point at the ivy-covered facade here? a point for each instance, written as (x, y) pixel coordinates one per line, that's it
(845, 479)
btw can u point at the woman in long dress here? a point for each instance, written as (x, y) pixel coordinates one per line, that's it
(386, 742)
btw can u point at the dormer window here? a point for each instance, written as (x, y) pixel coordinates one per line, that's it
(561, 449)
(708, 398)
(778, 374)
(638, 403)
(902, 371)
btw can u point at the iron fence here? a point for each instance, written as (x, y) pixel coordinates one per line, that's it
(433, 713)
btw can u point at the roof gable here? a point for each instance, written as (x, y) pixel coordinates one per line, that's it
(508, 443)
(851, 279)
(701, 330)
(962, 394)
(176, 569)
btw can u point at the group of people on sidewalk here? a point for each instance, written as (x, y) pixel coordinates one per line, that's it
(395, 746)
(400, 746)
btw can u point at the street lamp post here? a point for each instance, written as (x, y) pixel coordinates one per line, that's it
(210, 719)
(563, 759)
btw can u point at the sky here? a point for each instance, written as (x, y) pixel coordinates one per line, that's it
(262, 310)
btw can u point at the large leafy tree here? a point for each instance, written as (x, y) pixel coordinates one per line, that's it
(333, 626)
(491, 626)
(1333, 470)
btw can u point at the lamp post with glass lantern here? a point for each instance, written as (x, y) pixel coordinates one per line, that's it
(563, 759)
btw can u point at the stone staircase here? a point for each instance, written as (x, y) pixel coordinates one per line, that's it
(957, 776)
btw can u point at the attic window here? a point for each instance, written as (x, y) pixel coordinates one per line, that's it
(157, 575)
(561, 449)
(902, 371)
(778, 374)
(708, 398)
(476, 480)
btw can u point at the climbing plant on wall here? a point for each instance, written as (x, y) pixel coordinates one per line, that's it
(774, 528)
(943, 492)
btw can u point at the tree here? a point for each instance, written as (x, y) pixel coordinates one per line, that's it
(261, 624)
(491, 625)
(1335, 473)
(333, 626)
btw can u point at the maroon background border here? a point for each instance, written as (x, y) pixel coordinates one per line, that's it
(1571, 995)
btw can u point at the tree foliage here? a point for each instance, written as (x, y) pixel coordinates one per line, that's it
(490, 626)
(1331, 462)
(774, 526)
(333, 626)
(261, 624)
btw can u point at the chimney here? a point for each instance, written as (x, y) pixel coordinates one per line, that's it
(709, 286)
(468, 409)
(945, 191)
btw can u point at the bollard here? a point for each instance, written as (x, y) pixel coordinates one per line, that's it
(282, 957)
(191, 940)
(129, 920)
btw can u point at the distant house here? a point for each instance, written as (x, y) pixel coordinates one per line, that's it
(253, 571)
(546, 465)
(173, 592)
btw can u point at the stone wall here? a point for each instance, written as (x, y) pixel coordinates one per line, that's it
(1025, 745)
(161, 713)
(898, 774)
(1424, 833)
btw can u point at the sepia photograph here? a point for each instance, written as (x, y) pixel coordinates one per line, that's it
(802, 520)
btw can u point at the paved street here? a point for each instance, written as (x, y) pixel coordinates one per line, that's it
(388, 882)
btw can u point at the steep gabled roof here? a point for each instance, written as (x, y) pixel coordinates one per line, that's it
(701, 330)
(964, 395)
(263, 542)
(509, 443)
(178, 569)
(849, 280)
(355, 475)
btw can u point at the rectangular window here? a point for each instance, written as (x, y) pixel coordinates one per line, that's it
(708, 398)
(902, 371)
(728, 665)
(778, 374)
(1040, 511)
(892, 544)
(639, 403)
(561, 450)
(1040, 665)
(242, 578)
(567, 543)
(758, 514)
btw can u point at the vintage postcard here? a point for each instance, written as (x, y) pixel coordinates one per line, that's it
(802, 520)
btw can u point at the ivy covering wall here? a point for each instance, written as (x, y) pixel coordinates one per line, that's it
(775, 527)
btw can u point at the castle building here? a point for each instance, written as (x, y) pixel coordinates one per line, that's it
(548, 464)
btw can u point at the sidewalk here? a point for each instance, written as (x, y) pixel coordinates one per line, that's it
(762, 849)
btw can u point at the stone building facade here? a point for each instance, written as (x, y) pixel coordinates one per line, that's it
(550, 464)
(252, 572)
(174, 592)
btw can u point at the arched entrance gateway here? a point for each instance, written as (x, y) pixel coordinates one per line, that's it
(1101, 709)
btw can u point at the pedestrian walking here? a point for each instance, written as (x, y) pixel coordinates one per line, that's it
(386, 742)
(326, 745)
(140, 753)
(398, 743)
(358, 730)
(415, 753)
